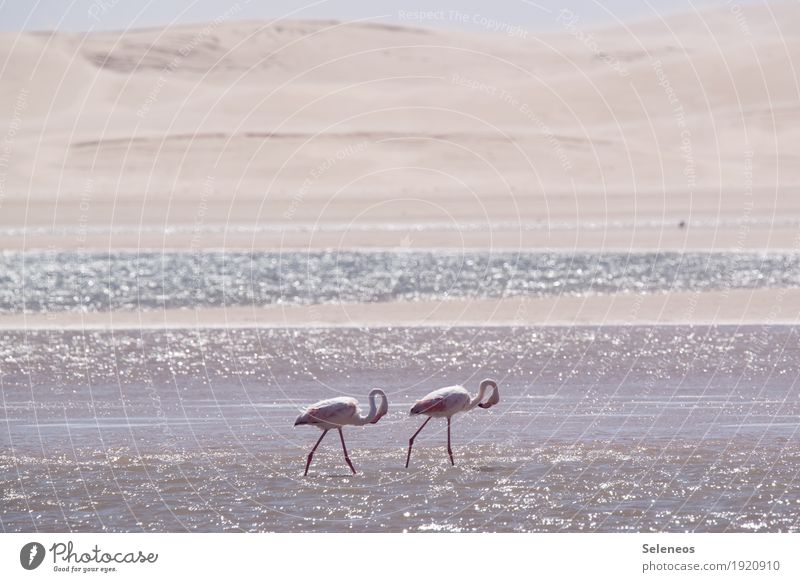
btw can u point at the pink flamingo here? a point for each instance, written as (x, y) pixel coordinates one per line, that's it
(449, 401)
(337, 412)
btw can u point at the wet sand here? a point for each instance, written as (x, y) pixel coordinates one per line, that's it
(748, 307)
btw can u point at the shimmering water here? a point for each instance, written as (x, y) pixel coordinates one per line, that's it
(599, 429)
(83, 281)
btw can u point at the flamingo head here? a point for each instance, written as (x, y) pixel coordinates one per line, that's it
(304, 418)
(495, 396)
(384, 406)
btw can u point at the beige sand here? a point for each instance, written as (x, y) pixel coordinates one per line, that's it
(617, 136)
(731, 308)
(294, 135)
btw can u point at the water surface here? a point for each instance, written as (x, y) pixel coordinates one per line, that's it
(599, 429)
(91, 281)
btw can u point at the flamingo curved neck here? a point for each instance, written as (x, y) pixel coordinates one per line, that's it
(374, 413)
(481, 393)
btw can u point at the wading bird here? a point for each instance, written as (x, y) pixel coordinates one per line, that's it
(446, 402)
(338, 412)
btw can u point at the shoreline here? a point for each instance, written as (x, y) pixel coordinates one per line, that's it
(739, 307)
(710, 250)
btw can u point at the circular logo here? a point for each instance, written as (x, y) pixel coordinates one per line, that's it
(31, 555)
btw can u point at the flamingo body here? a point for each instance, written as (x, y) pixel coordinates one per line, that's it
(338, 412)
(445, 402)
(331, 413)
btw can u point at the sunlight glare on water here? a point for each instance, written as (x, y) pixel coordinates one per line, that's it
(598, 429)
(91, 281)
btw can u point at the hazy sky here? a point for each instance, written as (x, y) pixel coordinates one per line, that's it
(75, 15)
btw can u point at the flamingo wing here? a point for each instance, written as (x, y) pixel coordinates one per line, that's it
(433, 405)
(335, 411)
(443, 401)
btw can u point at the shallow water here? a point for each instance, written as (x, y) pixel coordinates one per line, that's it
(83, 281)
(598, 429)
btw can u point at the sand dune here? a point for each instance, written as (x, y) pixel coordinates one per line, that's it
(691, 118)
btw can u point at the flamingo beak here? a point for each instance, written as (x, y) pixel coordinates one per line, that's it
(493, 399)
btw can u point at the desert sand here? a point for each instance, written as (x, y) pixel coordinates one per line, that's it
(675, 133)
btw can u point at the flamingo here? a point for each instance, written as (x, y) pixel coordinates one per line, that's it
(338, 412)
(447, 402)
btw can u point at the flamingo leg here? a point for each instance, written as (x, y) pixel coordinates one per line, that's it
(411, 441)
(346, 456)
(311, 454)
(449, 450)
